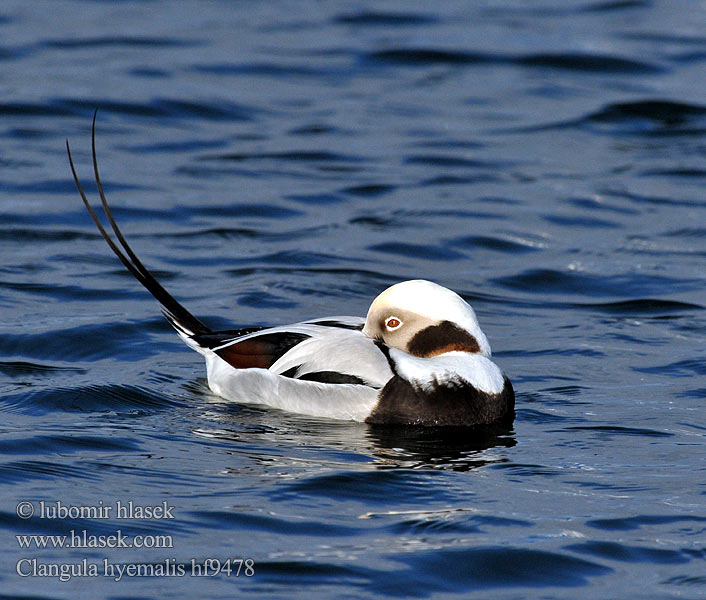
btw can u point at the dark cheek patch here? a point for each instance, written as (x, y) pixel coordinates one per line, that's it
(442, 338)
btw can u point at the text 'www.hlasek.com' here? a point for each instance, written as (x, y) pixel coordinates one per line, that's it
(77, 537)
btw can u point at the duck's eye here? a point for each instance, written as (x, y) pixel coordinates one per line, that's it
(392, 323)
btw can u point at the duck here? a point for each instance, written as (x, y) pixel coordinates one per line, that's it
(418, 358)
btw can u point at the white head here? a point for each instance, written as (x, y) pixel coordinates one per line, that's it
(425, 319)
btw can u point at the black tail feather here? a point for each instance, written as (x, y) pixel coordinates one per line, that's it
(175, 313)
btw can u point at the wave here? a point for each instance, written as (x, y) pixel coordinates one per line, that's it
(86, 398)
(166, 108)
(568, 61)
(385, 19)
(648, 117)
(553, 281)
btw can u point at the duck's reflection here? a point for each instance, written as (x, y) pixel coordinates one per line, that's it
(277, 432)
(455, 448)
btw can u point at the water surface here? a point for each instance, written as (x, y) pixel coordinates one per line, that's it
(278, 161)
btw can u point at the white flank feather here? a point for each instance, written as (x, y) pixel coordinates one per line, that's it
(261, 386)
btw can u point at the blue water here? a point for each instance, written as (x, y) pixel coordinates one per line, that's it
(275, 161)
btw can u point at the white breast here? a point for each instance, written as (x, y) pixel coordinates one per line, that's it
(427, 373)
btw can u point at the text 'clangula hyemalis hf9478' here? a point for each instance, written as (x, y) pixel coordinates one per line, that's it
(418, 358)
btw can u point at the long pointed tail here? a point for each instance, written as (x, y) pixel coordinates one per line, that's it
(183, 321)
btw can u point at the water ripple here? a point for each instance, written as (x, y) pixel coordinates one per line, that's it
(385, 19)
(495, 243)
(25, 470)
(574, 282)
(610, 430)
(681, 368)
(119, 41)
(57, 444)
(369, 487)
(270, 523)
(625, 553)
(275, 70)
(20, 368)
(86, 398)
(684, 522)
(155, 108)
(642, 306)
(417, 251)
(455, 522)
(129, 341)
(652, 117)
(491, 568)
(578, 62)
(293, 156)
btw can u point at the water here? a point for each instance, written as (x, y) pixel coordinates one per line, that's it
(279, 161)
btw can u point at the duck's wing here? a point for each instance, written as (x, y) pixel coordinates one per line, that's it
(330, 350)
(253, 348)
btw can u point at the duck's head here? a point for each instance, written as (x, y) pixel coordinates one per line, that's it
(425, 319)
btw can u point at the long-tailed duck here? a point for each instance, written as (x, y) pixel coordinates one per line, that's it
(418, 358)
